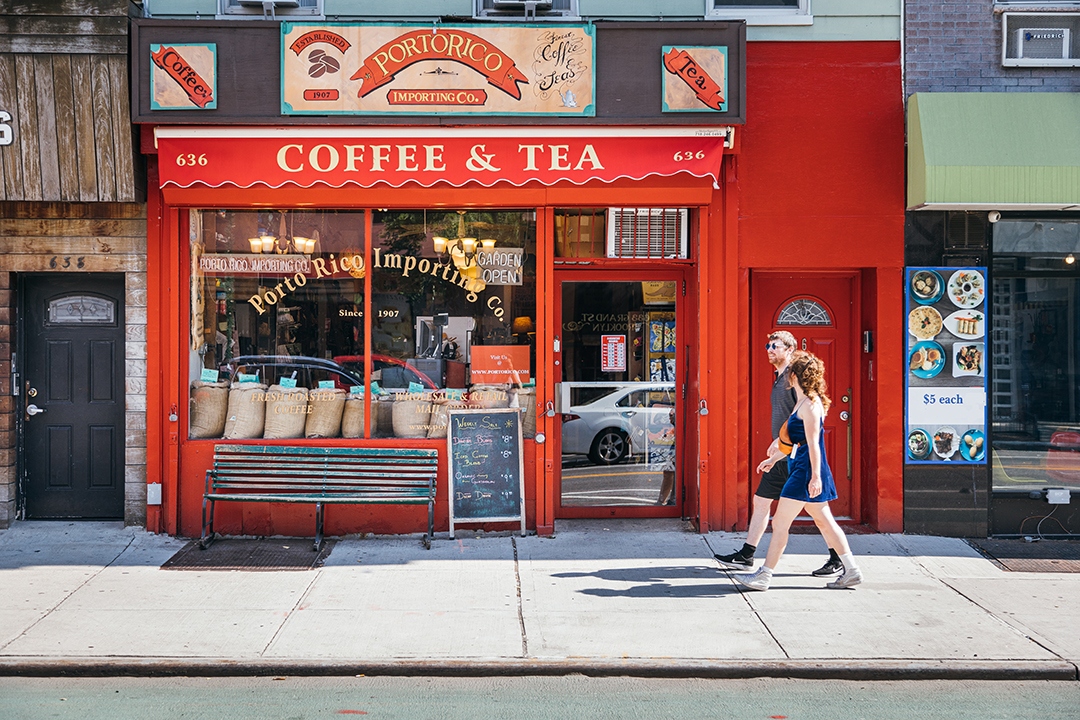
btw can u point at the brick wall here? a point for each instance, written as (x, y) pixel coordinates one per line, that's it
(956, 47)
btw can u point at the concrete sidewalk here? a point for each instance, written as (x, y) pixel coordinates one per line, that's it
(601, 597)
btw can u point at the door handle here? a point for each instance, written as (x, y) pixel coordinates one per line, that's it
(846, 417)
(34, 409)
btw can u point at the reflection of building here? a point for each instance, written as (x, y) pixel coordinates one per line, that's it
(1015, 208)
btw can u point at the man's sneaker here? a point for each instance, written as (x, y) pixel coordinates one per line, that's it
(850, 578)
(832, 566)
(759, 580)
(734, 561)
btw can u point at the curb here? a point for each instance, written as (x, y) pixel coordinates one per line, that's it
(629, 667)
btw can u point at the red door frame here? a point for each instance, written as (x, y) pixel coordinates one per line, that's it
(763, 313)
(674, 273)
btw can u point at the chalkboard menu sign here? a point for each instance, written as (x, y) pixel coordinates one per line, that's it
(487, 479)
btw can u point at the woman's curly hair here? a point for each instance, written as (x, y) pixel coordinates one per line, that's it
(809, 371)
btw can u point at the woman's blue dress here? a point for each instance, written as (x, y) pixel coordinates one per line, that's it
(798, 480)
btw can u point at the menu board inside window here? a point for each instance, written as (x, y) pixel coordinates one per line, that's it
(945, 375)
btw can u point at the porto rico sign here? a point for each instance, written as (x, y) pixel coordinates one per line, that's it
(372, 69)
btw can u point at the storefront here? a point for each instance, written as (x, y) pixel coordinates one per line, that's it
(564, 220)
(72, 270)
(1012, 212)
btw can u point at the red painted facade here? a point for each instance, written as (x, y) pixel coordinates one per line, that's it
(815, 182)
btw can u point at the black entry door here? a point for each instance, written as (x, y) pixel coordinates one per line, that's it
(72, 395)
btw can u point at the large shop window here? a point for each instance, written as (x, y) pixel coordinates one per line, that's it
(1035, 385)
(285, 304)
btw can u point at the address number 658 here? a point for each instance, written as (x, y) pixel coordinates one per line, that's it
(191, 159)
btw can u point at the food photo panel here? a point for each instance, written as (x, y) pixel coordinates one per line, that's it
(945, 376)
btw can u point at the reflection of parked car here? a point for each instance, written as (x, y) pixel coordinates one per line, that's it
(616, 425)
(390, 372)
(308, 371)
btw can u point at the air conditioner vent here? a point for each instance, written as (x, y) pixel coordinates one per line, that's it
(965, 231)
(647, 233)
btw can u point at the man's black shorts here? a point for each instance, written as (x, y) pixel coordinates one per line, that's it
(773, 481)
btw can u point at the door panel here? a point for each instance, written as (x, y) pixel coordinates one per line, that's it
(72, 397)
(620, 372)
(817, 309)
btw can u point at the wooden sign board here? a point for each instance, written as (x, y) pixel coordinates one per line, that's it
(486, 469)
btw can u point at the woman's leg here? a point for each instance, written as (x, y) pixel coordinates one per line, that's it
(823, 518)
(829, 528)
(786, 512)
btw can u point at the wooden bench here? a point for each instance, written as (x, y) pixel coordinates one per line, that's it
(320, 475)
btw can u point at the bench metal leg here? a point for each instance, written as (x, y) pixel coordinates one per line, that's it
(206, 539)
(430, 526)
(318, 526)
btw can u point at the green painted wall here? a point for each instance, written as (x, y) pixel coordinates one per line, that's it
(834, 20)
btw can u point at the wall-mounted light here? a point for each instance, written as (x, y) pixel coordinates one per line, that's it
(1070, 259)
(993, 216)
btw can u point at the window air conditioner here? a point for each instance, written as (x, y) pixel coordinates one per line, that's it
(269, 8)
(1043, 43)
(647, 233)
(520, 4)
(525, 9)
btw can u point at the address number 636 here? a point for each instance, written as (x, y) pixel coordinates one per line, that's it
(689, 155)
(191, 159)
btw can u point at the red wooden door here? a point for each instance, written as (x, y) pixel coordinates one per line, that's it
(817, 308)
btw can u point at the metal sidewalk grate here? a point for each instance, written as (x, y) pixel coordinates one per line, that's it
(250, 554)
(1044, 556)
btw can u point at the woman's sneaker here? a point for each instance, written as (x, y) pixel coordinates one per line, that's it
(759, 580)
(850, 578)
(735, 561)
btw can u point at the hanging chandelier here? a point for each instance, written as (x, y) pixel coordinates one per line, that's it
(462, 251)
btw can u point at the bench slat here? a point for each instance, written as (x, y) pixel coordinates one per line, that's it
(287, 450)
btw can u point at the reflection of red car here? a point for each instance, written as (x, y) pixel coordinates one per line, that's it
(1063, 457)
(395, 373)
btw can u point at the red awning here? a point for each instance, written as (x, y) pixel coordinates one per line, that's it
(336, 157)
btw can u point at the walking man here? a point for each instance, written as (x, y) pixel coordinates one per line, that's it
(780, 346)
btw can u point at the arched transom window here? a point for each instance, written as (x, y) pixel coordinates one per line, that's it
(804, 311)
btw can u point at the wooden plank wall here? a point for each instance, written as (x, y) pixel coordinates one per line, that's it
(64, 81)
(77, 237)
(64, 26)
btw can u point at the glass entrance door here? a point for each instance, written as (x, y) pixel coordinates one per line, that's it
(621, 363)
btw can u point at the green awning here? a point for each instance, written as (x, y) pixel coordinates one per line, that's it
(994, 151)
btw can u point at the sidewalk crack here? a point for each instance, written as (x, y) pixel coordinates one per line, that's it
(989, 613)
(520, 609)
(296, 607)
(745, 594)
(67, 597)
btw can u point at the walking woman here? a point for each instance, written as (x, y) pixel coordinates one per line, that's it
(810, 482)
